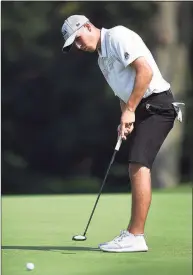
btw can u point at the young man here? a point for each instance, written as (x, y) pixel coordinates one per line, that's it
(147, 111)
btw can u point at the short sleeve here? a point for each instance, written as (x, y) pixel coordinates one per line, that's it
(126, 45)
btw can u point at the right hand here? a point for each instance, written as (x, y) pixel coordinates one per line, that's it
(128, 130)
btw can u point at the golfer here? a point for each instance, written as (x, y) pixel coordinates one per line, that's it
(147, 105)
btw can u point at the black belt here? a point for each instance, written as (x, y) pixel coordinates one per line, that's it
(167, 92)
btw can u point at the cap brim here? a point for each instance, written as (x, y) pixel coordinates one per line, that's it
(68, 44)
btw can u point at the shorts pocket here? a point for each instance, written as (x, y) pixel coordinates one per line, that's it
(155, 109)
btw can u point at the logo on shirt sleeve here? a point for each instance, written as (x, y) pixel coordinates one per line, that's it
(126, 55)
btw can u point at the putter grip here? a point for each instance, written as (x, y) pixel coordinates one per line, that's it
(118, 144)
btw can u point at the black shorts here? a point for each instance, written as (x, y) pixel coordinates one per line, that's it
(154, 118)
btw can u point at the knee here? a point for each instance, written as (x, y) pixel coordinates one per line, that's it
(137, 168)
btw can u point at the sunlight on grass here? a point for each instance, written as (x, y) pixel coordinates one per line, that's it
(39, 229)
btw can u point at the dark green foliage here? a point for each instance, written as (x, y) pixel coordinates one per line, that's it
(59, 117)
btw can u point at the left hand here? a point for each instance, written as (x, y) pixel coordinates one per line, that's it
(127, 120)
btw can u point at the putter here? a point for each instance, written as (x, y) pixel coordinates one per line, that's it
(83, 237)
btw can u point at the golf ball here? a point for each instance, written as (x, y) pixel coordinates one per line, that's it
(30, 266)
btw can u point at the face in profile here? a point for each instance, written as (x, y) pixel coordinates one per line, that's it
(86, 39)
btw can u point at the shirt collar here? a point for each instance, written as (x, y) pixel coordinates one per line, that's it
(103, 51)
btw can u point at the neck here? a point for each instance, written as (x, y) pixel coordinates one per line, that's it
(98, 47)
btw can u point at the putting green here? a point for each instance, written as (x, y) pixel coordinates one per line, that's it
(39, 229)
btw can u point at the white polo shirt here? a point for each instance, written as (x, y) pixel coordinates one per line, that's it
(119, 48)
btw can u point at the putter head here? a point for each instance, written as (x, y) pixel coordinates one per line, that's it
(79, 238)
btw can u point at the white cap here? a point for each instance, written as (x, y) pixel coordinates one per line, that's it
(70, 28)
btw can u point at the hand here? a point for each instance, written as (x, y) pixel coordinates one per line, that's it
(127, 120)
(127, 130)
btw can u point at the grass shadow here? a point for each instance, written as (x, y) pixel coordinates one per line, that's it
(49, 248)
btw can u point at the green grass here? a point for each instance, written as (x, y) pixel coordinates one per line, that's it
(39, 229)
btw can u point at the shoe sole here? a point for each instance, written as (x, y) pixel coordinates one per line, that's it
(121, 250)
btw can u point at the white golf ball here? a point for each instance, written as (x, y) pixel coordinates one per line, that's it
(30, 266)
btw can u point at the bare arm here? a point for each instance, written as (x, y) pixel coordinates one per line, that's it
(122, 105)
(143, 78)
(144, 75)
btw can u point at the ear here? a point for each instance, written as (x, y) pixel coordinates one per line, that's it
(88, 26)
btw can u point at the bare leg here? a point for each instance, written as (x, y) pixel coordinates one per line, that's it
(140, 177)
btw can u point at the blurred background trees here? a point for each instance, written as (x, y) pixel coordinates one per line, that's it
(59, 117)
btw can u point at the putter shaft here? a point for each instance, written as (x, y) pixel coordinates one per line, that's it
(100, 191)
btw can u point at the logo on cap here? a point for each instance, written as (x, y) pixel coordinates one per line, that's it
(65, 34)
(77, 24)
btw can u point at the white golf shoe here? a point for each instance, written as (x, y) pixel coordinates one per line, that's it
(125, 242)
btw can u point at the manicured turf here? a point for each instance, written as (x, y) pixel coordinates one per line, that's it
(39, 229)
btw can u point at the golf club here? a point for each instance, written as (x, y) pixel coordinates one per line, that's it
(83, 237)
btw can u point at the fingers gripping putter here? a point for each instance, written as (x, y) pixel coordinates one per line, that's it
(83, 237)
